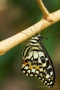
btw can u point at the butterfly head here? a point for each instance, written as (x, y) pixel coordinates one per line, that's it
(37, 38)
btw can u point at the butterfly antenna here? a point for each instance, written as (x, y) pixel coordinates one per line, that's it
(45, 38)
(51, 36)
(54, 36)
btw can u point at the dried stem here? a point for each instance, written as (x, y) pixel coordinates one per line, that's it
(9, 43)
(43, 9)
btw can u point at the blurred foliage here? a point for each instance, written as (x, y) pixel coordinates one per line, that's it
(19, 15)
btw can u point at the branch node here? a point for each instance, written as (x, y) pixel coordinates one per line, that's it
(43, 8)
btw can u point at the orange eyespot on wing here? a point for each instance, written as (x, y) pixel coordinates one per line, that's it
(24, 63)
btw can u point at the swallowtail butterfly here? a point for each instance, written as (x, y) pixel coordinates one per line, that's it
(37, 62)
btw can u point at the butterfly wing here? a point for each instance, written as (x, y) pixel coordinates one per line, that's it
(38, 63)
(48, 68)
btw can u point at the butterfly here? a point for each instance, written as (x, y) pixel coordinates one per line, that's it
(37, 62)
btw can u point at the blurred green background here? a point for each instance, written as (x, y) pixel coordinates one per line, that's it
(15, 16)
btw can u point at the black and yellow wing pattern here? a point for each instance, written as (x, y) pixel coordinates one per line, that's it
(37, 62)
